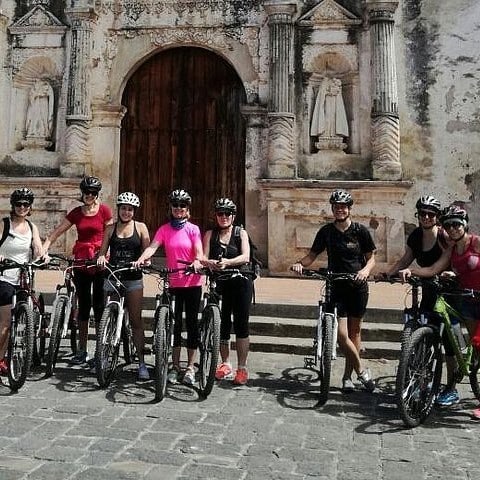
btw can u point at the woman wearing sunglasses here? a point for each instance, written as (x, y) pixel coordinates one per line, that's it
(181, 241)
(464, 261)
(225, 249)
(20, 238)
(91, 220)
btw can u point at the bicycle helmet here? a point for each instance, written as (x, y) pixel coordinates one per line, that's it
(341, 196)
(454, 213)
(225, 205)
(90, 184)
(128, 198)
(20, 194)
(180, 196)
(429, 203)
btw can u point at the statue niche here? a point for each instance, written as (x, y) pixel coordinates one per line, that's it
(329, 125)
(39, 115)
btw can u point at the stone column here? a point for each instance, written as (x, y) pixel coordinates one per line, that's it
(77, 138)
(281, 120)
(385, 122)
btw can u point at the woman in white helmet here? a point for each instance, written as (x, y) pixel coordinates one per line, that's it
(127, 239)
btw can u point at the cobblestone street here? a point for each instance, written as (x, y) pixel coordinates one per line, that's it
(66, 428)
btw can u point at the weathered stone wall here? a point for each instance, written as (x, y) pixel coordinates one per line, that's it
(439, 92)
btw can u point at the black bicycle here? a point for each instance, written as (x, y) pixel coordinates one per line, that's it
(25, 311)
(163, 326)
(64, 310)
(325, 332)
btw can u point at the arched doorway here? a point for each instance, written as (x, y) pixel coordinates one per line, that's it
(183, 129)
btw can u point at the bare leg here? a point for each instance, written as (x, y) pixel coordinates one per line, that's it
(225, 352)
(134, 303)
(176, 357)
(348, 347)
(191, 353)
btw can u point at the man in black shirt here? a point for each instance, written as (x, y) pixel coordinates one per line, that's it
(350, 249)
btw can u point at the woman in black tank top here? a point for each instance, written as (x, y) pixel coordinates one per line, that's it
(126, 239)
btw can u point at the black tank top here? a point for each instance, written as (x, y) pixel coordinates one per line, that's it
(126, 250)
(424, 258)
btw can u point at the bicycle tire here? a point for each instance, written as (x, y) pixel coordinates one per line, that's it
(325, 360)
(418, 376)
(20, 346)
(40, 331)
(129, 352)
(474, 373)
(407, 331)
(106, 354)
(72, 327)
(161, 350)
(209, 348)
(55, 335)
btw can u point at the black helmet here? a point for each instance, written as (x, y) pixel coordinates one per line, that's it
(454, 213)
(128, 198)
(225, 205)
(90, 184)
(20, 194)
(341, 196)
(180, 196)
(428, 202)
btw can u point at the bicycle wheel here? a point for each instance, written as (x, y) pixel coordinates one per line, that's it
(20, 346)
(209, 348)
(418, 376)
(474, 373)
(127, 340)
(161, 350)
(40, 331)
(72, 327)
(325, 359)
(106, 352)
(56, 334)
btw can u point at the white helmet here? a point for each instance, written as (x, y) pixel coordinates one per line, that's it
(128, 198)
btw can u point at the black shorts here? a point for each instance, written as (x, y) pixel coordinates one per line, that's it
(350, 298)
(7, 290)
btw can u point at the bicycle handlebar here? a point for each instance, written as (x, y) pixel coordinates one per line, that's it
(325, 274)
(7, 264)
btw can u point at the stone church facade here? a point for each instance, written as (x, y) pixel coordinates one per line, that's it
(377, 97)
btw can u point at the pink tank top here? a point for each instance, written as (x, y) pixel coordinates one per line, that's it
(467, 265)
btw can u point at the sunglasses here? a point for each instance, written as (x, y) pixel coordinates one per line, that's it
(223, 214)
(90, 192)
(426, 213)
(179, 205)
(22, 204)
(454, 225)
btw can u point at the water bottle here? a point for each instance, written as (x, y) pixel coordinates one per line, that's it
(457, 331)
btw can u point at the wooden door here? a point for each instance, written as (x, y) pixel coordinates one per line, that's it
(183, 129)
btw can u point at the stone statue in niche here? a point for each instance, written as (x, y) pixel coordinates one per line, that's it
(39, 117)
(329, 119)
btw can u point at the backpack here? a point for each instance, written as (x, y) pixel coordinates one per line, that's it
(6, 230)
(254, 263)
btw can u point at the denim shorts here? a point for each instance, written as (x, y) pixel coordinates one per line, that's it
(130, 285)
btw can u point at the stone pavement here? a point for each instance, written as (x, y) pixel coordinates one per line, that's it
(66, 428)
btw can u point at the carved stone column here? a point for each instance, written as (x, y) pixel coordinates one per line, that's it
(385, 122)
(281, 120)
(77, 138)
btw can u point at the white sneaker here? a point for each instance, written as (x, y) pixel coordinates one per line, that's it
(189, 377)
(366, 378)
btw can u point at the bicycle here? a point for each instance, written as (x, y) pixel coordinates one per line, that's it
(420, 368)
(25, 312)
(163, 326)
(63, 311)
(325, 332)
(114, 328)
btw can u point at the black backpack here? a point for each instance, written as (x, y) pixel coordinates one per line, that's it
(255, 264)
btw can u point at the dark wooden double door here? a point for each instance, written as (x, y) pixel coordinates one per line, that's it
(183, 129)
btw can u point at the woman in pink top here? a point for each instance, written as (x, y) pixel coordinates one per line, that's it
(465, 264)
(181, 241)
(90, 219)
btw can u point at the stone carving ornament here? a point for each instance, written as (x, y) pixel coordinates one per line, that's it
(39, 117)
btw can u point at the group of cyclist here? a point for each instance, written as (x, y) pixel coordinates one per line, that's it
(127, 240)
(441, 244)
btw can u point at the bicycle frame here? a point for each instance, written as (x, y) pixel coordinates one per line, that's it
(444, 309)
